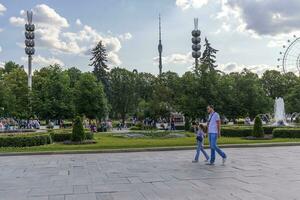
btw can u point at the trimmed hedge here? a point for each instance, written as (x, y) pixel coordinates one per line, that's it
(286, 133)
(60, 136)
(236, 131)
(243, 131)
(64, 136)
(269, 129)
(25, 140)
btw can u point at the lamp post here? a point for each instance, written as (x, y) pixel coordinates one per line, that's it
(29, 43)
(196, 42)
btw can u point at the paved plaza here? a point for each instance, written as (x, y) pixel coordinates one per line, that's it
(250, 173)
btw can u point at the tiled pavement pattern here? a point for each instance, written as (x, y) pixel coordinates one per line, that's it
(253, 173)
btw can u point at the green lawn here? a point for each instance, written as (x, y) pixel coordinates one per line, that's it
(107, 141)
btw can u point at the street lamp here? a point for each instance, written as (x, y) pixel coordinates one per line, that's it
(29, 43)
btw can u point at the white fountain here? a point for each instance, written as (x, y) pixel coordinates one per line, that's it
(279, 113)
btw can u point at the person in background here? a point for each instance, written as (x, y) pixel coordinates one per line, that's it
(200, 133)
(172, 124)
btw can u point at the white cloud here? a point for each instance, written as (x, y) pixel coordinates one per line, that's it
(51, 34)
(78, 22)
(234, 67)
(267, 17)
(42, 61)
(17, 21)
(176, 58)
(186, 4)
(125, 36)
(0, 49)
(2, 9)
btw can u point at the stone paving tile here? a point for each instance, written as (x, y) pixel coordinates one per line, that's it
(89, 196)
(253, 173)
(56, 197)
(79, 189)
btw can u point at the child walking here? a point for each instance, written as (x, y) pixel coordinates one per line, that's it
(199, 131)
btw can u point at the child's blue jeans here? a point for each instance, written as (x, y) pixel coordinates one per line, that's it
(200, 148)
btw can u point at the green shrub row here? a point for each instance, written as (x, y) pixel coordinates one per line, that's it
(28, 140)
(286, 133)
(64, 136)
(244, 131)
(24, 140)
(236, 131)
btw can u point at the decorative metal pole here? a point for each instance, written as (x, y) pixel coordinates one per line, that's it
(160, 47)
(196, 43)
(29, 43)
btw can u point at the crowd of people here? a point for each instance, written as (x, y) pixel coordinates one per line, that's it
(7, 124)
(95, 127)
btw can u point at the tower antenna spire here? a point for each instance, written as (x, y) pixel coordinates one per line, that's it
(159, 46)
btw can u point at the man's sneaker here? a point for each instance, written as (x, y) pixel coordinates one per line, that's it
(194, 161)
(206, 160)
(224, 160)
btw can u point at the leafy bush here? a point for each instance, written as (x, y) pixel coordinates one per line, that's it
(236, 131)
(24, 140)
(258, 130)
(78, 133)
(286, 132)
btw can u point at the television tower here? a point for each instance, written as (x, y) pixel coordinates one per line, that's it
(29, 43)
(196, 47)
(160, 47)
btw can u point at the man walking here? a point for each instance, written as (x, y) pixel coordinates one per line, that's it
(214, 131)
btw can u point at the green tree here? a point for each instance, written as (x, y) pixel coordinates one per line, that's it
(74, 75)
(16, 94)
(123, 97)
(209, 55)
(292, 100)
(250, 95)
(229, 104)
(145, 85)
(10, 66)
(5, 99)
(52, 96)
(191, 104)
(99, 61)
(274, 83)
(90, 98)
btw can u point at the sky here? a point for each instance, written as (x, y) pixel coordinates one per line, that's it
(248, 33)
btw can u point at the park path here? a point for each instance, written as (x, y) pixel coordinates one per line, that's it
(250, 173)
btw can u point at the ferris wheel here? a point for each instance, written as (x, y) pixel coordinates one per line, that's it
(290, 60)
